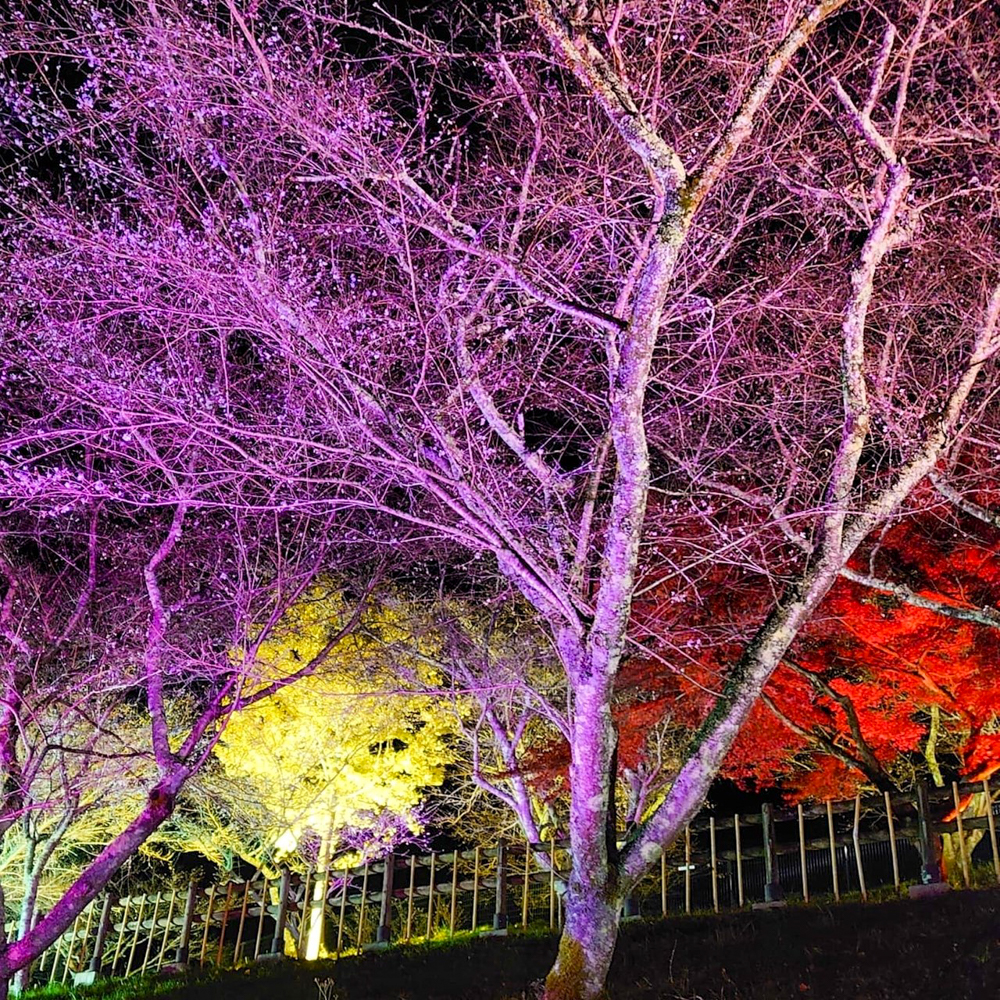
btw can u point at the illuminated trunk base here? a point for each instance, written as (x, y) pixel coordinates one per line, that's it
(585, 950)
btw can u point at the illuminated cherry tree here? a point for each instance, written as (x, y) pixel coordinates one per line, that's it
(475, 285)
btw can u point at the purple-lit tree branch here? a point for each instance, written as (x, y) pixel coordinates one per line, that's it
(175, 613)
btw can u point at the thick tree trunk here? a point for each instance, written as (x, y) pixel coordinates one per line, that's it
(592, 900)
(20, 953)
(315, 945)
(585, 948)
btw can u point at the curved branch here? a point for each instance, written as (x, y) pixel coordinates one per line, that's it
(741, 124)
(963, 503)
(601, 80)
(877, 777)
(866, 761)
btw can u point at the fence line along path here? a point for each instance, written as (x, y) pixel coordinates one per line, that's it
(722, 862)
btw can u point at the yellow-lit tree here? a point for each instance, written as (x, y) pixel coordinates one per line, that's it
(345, 750)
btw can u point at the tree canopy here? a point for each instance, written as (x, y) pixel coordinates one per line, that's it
(348, 753)
(577, 300)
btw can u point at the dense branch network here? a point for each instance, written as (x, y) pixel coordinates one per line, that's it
(561, 307)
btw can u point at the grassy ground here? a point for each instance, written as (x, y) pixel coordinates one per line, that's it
(947, 947)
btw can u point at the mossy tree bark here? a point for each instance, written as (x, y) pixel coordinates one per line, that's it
(585, 948)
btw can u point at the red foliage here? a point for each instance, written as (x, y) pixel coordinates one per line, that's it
(892, 661)
(867, 653)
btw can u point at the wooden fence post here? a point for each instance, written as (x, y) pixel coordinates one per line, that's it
(207, 927)
(500, 909)
(409, 897)
(856, 836)
(525, 898)
(284, 889)
(930, 851)
(121, 936)
(430, 897)
(964, 854)
(135, 937)
(152, 933)
(238, 948)
(452, 910)
(739, 859)
(802, 854)
(772, 887)
(892, 841)
(663, 883)
(225, 921)
(56, 948)
(166, 929)
(86, 930)
(71, 947)
(475, 888)
(364, 904)
(343, 910)
(833, 850)
(687, 868)
(715, 864)
(384, 933)
(103, 926)
(991, 820)
(260, 918)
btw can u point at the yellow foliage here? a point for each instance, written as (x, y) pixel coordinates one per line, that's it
(328, 751)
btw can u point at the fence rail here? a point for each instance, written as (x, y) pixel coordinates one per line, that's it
(721, 862)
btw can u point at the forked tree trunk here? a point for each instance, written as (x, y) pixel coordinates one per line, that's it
(592, 901)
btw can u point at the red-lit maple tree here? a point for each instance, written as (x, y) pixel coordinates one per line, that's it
(896, 668)
(879, 683)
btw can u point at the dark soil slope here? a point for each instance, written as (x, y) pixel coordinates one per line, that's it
(948, 947)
